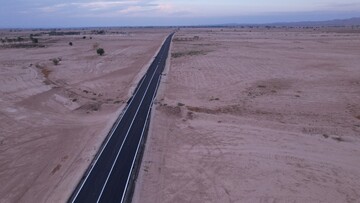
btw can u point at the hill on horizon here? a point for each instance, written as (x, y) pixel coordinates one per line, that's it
(336, 22)
(355, 21)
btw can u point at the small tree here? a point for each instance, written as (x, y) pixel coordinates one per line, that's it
(70, 43)
(100, 51)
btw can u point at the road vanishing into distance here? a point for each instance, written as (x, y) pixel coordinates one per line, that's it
(111, 176)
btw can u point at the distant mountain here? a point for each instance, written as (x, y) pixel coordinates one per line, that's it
(337, 22)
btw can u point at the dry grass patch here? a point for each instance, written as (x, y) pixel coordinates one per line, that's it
(46, 72)
(171, 110)
(188, 53)
(230, 109)
(339, 139)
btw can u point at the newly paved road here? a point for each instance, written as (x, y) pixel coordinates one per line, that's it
(110, 175)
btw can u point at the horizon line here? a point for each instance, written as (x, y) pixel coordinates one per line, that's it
(199, 25)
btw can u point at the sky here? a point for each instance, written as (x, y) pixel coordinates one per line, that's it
(93, 13)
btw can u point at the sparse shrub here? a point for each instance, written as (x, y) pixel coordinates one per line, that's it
(180, 104)
(189, 53)
(100, 32)
(339, 139)
(214, 99)
(100, 51)
(56, 61)
(35, 40)
(70, 43)
(84, 37)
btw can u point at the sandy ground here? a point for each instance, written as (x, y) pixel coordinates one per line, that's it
(256, 116)
(53, 118)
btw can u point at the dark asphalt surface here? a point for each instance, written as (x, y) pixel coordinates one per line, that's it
(108, 179)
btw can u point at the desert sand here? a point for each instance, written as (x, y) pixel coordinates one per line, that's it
(54, 118)
(256, 115)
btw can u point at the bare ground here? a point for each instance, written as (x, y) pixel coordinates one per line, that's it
(256, 116)
(53, 118)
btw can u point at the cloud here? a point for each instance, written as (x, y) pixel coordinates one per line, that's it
(95, 6)
(186, 8)
(53, 8)
(343, 6)
(133, 8)
(104, 5)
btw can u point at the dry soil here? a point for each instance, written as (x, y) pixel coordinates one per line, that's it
(256, 115)
(53, 118)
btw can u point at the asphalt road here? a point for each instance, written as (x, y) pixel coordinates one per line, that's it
(108, 179)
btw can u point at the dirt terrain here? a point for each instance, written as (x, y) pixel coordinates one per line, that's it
(256, 115)
(58, 101)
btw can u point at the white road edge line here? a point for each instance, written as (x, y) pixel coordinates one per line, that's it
(142, 135)
(104, 146)
(127, 133)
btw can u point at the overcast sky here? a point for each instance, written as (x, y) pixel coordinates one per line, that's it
(85, 13)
